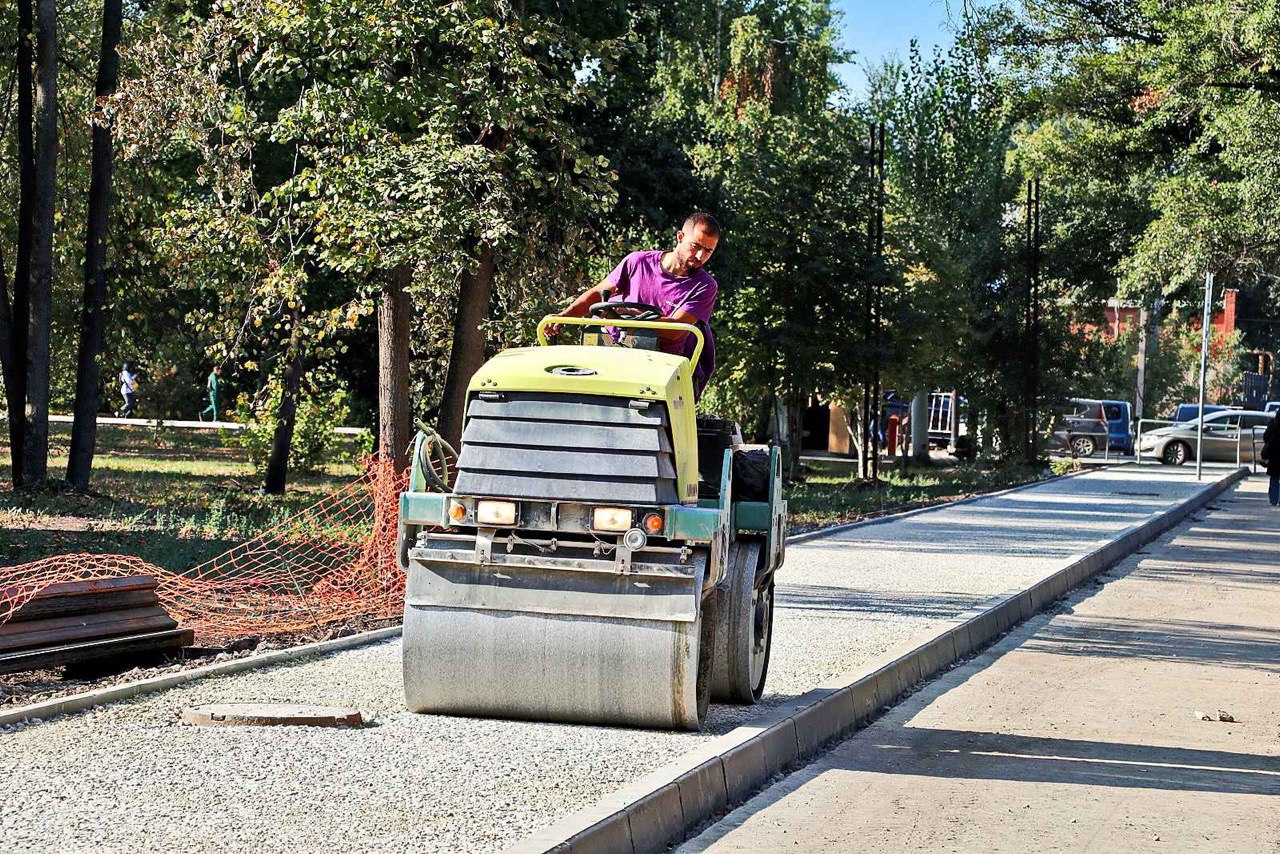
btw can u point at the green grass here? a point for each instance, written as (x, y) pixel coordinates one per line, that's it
(829, 494)
(172, 498)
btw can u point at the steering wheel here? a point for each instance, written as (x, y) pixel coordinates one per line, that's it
(635, 311)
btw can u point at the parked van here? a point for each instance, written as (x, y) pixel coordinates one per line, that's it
(1094, 425)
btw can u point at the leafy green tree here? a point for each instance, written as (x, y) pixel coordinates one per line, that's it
(418, 144)
(957, 312)
(1171, 108)
(786, 172)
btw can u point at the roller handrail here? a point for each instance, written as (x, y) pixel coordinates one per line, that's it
(669, 325)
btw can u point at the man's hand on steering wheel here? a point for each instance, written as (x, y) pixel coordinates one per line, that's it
(626, 311)
(614, 311)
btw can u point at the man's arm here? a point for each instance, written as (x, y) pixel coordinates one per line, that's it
(676, 336)
(592, 295)
(582, 305)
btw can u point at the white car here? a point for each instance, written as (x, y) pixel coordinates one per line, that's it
(1230, 435)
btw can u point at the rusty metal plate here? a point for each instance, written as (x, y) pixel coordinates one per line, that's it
(270, 714)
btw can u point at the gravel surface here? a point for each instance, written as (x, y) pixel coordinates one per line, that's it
(130, 777)
(34, 686)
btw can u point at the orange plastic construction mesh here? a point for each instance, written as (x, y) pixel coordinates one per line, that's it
(334, 561)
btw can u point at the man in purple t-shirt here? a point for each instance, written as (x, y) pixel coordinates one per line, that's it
(674, 283)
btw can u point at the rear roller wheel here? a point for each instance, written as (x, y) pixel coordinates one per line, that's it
(744, 628)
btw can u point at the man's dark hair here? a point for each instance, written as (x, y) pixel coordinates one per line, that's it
(701, 218)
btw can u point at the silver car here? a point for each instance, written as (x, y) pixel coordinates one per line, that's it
(1228, 436)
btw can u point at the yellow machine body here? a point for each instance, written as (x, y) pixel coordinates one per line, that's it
(607, 371)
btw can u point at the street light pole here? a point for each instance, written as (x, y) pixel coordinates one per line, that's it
(1204, 364)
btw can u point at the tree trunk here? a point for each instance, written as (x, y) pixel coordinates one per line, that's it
(84, 429)
(20, 323)
(920, 427)
(855, 427)
(860, 433)
(36, 450)
(287, 413)
(467, 353)
(786, 429)
(6, 332)
(395, 408)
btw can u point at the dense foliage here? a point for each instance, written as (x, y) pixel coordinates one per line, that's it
(276, 160)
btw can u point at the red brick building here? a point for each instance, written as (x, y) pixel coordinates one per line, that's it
(1118, 316)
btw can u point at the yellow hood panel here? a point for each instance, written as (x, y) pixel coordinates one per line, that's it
(613, 371)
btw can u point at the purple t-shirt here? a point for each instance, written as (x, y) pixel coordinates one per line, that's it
(640, 278)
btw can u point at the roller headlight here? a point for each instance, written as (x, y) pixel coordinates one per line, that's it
(496, 513)
(615, 519)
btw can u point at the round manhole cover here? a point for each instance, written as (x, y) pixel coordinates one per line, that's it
(270, 714)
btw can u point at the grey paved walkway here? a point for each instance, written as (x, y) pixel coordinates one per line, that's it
(1077, 732)
(129, 776)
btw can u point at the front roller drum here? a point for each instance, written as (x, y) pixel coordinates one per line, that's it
(555, 667)
(744, 627)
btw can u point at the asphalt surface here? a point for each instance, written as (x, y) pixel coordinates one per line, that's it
(130, 776)
(1081, 730)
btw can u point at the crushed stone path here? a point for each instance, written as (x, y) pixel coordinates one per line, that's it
(129, 776)
(1080, 730)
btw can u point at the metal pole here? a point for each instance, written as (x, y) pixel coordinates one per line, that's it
(877, 251)
(1139, 397)
(1026, 335)
(1035, 330)
(1204, 365)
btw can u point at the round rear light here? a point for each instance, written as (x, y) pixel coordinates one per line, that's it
(653, 523)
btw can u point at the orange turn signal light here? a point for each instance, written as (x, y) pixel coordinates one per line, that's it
(653, 523)
(457, 512)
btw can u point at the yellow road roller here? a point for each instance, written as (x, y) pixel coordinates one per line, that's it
(595, 559)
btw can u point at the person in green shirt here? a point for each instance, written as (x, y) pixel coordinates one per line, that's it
(212, 386)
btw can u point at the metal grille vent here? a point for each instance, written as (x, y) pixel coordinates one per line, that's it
(567, 447)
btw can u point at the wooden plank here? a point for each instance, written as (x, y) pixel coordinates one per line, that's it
(87, 603)
(60, 622)
(93, 585)
(67, 630)
(58, 656)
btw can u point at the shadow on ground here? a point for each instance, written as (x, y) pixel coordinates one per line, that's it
(969, 755)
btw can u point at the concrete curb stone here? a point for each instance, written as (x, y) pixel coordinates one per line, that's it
(751, 755)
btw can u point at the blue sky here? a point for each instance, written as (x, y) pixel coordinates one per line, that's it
(876, 29)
